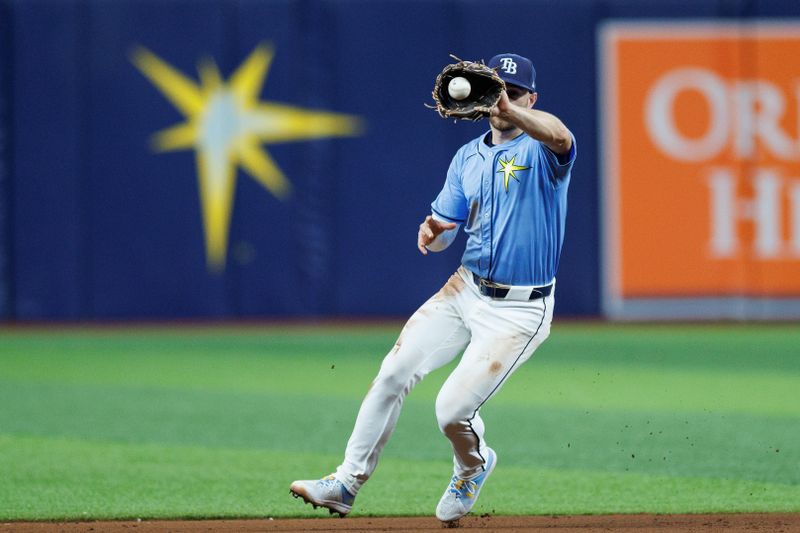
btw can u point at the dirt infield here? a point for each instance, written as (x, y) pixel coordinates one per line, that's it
(778, 523)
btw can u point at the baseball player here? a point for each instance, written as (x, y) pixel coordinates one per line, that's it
(508, 190)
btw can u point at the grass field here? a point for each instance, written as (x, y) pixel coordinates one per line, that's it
(216, 422)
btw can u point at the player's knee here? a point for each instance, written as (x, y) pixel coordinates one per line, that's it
(397, 374)
(450, 414)
(395, 381)
(389, 383)
(451, 425)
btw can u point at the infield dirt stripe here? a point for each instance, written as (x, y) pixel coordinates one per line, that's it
(787, 523)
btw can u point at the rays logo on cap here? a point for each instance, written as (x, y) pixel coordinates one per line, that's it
(508, 65)
(515, 70)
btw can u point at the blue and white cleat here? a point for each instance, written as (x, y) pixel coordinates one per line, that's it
(461, 494)
(327, 492)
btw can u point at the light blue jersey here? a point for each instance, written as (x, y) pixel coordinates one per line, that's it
(512, 201)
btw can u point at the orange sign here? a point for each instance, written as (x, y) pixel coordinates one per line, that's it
(701, 148)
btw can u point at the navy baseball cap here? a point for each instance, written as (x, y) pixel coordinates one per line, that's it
(515, 70)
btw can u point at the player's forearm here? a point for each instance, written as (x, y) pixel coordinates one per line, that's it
(543, 127)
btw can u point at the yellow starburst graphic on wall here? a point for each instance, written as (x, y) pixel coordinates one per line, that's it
(508, 168)
(226, 125)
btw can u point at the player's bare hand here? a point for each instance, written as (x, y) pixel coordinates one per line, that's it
(429, 230)
(502, 106)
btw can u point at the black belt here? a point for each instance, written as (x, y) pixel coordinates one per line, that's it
(489, 289)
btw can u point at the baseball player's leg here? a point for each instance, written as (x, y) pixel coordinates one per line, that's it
(504, 335)
(431, 338)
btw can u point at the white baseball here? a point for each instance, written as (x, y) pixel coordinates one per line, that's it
(459, 88)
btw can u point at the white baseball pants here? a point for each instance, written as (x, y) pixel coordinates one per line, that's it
(496, 336)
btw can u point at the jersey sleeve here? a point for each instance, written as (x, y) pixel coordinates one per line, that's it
(559, 165)
(451, 204)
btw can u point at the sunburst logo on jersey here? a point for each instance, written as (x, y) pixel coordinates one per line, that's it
(508, 168)
(226, 125)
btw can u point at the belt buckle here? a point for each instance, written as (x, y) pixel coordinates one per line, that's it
(486, 286)
(492, 289)
(493, 285)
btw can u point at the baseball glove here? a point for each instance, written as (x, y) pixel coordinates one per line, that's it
(485, 90)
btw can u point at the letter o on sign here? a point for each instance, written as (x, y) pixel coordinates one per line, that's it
(660, 114)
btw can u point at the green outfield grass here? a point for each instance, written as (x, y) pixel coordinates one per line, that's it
(216, 422)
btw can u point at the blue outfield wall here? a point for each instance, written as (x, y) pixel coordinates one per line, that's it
(5, 163)
(96, 222)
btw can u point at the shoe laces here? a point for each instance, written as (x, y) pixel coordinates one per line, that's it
(462, 488)
(332, 484)
(329, 481)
